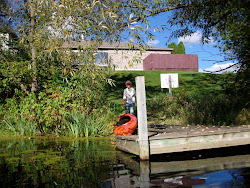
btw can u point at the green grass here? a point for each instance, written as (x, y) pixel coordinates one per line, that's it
(189, 83)
(201, 98)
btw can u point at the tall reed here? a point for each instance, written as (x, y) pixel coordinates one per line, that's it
(81, 124)
(17, 124)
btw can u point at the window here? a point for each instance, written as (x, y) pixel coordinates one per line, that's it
(101, 58)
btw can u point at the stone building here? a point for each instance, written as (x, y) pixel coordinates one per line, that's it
(120, 55)
(123, 57)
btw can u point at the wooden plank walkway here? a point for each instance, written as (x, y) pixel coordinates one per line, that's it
(171, 139)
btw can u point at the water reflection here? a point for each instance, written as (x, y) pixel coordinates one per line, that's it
(196, 169)
(50, 163)
(95, 163)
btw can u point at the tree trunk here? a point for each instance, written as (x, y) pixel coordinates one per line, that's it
(32, 47)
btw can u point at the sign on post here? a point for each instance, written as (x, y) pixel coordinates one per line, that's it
(169, 81)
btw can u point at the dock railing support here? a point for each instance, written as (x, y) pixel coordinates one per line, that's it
(142, 118)
(144, 174)
(170, 85)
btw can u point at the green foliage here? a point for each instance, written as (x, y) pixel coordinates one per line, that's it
(14, 72)
(41, 26)
(17, 124)
(88, 86)
(85, 125)
(178, 49)
(228, 24)
(174, 46)
(49, 111)
(208, 110)
(40, 82)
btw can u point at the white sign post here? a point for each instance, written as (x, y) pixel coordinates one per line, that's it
(169, 81)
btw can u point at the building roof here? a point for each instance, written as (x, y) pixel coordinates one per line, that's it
(114, 46)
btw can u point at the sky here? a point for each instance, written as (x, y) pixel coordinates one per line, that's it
(209, 57)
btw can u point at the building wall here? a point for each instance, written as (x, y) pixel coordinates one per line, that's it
(171, 62)
(130, 59)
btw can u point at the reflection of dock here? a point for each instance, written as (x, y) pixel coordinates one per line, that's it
(176, 139)
(173, 173)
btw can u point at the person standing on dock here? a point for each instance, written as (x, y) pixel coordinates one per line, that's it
(129, 98)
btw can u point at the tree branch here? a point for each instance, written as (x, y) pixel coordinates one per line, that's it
(24, 88)
(222, 69)
(153, 13)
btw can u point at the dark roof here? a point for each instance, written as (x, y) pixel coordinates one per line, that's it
(114, 46)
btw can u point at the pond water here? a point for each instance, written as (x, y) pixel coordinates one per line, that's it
(47, 162)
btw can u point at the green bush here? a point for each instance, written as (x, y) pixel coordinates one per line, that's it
(77, 99)
(56, 111)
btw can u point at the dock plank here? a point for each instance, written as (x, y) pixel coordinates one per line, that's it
(198, 142)
(187, 138)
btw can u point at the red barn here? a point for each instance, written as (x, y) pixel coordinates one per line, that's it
(171, 62)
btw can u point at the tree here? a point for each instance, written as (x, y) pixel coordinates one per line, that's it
(228, 24)
(43, 26)
(46, 72)
(5, 22)
(178, 49)
(174, 46)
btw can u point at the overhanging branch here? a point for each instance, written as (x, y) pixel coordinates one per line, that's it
(222, 69)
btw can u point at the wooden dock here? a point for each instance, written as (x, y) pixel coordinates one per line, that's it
(169, 139)
(186, 138)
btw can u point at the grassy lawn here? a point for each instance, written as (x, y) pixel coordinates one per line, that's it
(189, 83)
(200, 99)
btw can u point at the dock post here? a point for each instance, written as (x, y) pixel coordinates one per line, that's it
(170, 85)
(142, 118)
(144, 174)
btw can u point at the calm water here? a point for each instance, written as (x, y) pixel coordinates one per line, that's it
(95, 163)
